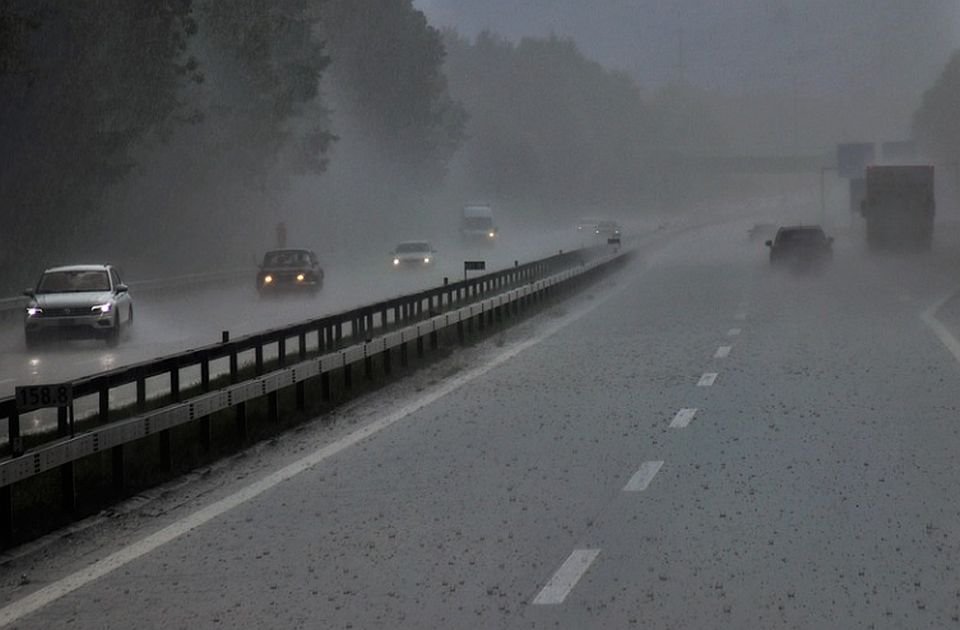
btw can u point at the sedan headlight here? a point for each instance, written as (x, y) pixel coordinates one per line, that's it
(34, 311)
(426, 260)
(396, 261)
(301, 277)
(102, 308)
(492, 234)
(267, 279)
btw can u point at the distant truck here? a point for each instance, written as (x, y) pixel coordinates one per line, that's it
(899, 207)
(477, 224)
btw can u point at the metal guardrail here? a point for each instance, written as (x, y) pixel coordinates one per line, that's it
(341, 340)
(13, 307)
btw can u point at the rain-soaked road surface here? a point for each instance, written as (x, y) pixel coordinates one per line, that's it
(699, 443)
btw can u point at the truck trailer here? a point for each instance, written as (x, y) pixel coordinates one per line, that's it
(899, 207)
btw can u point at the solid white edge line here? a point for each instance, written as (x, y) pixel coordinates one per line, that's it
(38, 599)
(642, 478)
(929, 318)
(683, 418)
(566, 577)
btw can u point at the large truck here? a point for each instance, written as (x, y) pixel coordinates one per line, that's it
(477, 224)
(899, 207)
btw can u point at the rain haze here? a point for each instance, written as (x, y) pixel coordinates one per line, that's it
(473, 314)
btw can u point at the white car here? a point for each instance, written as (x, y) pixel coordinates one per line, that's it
(413, 253)
(80, 300)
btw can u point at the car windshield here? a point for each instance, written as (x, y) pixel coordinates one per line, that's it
(479, 223)
(801, 237)
(412, 248)
(286, 259)
(74, 281)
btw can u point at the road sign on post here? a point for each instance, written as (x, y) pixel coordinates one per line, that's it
(30, 397)
(473, 265)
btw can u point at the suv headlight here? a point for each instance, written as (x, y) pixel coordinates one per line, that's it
(34, 311)
(102, 308)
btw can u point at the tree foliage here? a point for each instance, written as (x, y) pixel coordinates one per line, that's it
(270, 63)
(549, 123)
(388, 72)
(81, 83)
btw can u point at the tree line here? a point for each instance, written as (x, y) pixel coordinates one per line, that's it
(98, 95)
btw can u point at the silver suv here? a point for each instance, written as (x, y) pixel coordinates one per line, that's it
(80, 300)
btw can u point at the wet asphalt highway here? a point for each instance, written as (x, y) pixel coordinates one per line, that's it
(699, 442)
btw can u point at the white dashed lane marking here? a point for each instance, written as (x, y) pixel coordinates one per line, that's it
(722, 352)
(733, 332)
(683, 418)
(707, 379)
(740, 316)
(566, 577)
(642, 478)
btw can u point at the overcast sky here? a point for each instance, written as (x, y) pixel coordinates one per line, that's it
(868, 53)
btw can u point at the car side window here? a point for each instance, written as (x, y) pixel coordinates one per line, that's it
(115, 277)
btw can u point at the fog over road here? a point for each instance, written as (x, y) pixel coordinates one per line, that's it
(697, 442)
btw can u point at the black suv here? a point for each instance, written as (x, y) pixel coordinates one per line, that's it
(800, 246)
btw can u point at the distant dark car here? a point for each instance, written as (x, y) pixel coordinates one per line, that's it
(291, 269)
(800, 246)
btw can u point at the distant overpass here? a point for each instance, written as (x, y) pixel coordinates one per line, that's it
(750, 164)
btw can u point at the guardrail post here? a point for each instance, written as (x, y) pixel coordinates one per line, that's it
(205, 372)
(68, 488)
(434, 340)
(166, 452)
(258, 358)
(241, 420)
(6, 516)
(273, 406)
(141, 391)
(302, 341)
(234, 367)
(348, 376)
(369, 324)
(403, 354)
(419, 347)
(175, 383)
(62, 427)
(338, 337)
(383, 319)
(282, 351)
(396, 314)
(104, 412)
(325, 387)
(368, 367)
(387, 367)
(301, 390)
(119, 472)
(13, 434)
(481, 320)
(461, 337)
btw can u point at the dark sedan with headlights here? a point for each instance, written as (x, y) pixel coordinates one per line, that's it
(289, 269)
